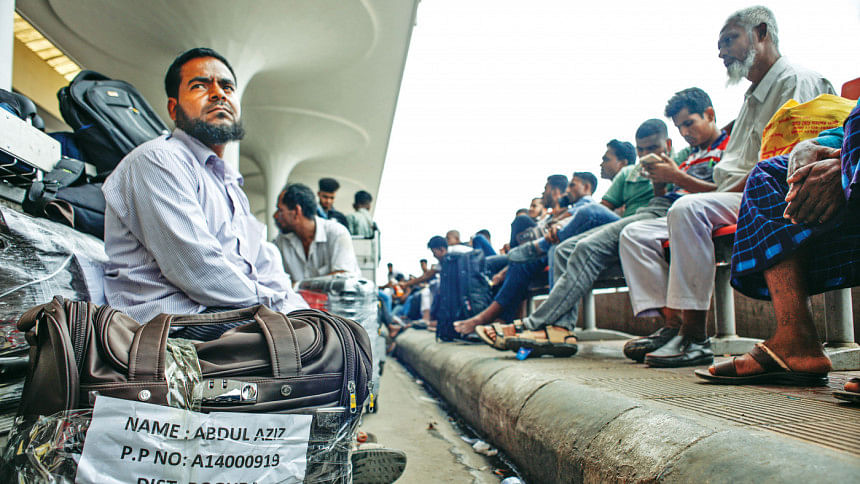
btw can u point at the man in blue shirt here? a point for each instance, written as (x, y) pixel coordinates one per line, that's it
(179, 232)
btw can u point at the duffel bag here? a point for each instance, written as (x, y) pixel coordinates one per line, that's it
(277, 363)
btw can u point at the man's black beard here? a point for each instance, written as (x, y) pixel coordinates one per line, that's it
(209, 134)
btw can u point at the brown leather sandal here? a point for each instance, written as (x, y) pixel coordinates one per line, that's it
(500, 333)
(551, 340)
(776, 372)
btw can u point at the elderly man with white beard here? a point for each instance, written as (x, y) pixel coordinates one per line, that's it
(749, 47)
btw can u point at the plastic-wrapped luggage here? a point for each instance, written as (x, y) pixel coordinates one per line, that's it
(40, 259)
(354, 298)
(13, 366)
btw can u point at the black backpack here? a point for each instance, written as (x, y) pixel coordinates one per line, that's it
(68, 196)
(109, 117)
(464, 291)
(21, 106)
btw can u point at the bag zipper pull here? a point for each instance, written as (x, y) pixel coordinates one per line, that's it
(350, 385)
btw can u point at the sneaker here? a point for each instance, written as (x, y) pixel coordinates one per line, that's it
(374, 464)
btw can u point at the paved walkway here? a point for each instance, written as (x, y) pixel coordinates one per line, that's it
(409, 419)
(599, 417)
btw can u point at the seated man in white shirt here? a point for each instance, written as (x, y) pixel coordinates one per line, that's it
(179, 233)
(311, 246)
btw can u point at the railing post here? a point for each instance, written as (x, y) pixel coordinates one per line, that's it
(589, 320)
(590, 331)
(727, 342)
(844, 352)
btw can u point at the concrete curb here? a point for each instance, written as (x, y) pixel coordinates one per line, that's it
(561, 430)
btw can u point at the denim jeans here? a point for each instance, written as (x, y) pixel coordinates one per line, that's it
(494, 264)
(480, 242)
(521, 223)
(515, 287)
(578, 263)
(585, 218)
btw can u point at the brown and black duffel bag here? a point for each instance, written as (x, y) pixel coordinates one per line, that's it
(275, 364)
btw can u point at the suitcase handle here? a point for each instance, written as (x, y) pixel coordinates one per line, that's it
(147, 353)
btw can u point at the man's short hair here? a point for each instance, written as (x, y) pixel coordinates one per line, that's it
(558, 182)
(587, 177)
(298, 194)
(623, 150)
(437, 242)
(484, 232)
(652, 127)
(363, 198)
(422, 261)
(694, 99)
(329, 185)
(174, 72)
(751, 17)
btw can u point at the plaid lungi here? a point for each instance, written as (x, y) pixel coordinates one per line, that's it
(764, 237)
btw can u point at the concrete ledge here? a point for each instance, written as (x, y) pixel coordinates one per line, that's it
(559, 428)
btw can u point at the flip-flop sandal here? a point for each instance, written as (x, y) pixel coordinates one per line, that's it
(853, 397)
(552, 340)
(776, 372)
(502, 333)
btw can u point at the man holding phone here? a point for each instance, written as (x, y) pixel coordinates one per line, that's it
(640, 247)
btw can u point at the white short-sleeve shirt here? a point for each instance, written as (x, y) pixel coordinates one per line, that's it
(331, 251)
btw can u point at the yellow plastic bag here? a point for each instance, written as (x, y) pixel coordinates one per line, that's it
(794, 122)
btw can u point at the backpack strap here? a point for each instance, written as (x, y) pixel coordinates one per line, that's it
(67, 172)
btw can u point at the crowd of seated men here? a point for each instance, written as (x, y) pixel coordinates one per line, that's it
(180, 236)
(796, 215)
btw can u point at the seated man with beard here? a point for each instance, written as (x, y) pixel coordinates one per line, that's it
(749, 47)
(179, 233)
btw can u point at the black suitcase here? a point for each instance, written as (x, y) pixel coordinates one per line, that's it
(109, 117)
(463, 291)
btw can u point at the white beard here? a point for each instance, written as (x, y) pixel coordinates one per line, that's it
(737, 71)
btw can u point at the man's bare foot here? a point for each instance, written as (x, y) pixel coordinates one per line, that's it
(852, 385)
(800, 358)
(467, 326)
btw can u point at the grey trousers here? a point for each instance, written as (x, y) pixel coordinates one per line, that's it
(579, 261)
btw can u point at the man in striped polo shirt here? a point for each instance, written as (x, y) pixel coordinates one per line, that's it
(640, 247)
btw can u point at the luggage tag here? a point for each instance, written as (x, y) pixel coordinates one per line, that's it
(523, 353)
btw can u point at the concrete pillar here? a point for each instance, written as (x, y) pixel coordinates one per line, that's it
(7, 38)
(276, 175)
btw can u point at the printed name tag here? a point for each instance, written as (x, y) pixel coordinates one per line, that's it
(141, 443)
